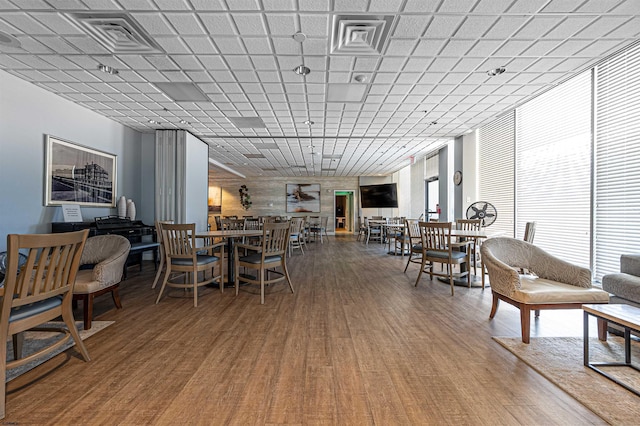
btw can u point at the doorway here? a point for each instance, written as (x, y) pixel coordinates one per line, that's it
(343, 207)
(432, 195)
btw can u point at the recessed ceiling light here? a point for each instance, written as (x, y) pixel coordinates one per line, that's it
(299, 37)
(301, 70)
(360, 78)
(108, 69)
(496, 71)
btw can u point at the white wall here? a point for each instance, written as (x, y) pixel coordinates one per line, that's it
(27, 113)
(469, 170)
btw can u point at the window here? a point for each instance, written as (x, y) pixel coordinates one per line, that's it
(553, 169)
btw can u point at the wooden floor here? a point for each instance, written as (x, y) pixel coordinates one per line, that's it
(356, 344)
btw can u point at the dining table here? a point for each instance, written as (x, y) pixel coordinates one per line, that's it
(230, 236)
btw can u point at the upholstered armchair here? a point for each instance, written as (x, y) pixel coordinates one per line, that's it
(108, 254)
(552, 284)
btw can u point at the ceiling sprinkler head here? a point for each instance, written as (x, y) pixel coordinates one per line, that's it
(496, 71)
(301, 70)
(299, 37)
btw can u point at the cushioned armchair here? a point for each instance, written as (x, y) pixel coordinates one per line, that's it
(109, 254)
(554, 283)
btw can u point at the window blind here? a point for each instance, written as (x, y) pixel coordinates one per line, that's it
(617, 160)
(553, 169)
(496, 171)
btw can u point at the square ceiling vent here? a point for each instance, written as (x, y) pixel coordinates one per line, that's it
(247, 122)
(360, 34)
(116, 32)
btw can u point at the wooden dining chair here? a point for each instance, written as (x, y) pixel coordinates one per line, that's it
(437, 248)
(272, 255)
(39, 291)
(296, 237)
(159, 238)
(183, 255)
(412, 229)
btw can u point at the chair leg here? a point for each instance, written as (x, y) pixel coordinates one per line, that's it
(194, 278)
(115, 294)
(87, 305)
(262, 286)
(286, 274)
(525, 322)
(494, 307)
(422, 266)
(164, 283)
(67, 317)
(18, 341)
(158, 273)
(407, 265)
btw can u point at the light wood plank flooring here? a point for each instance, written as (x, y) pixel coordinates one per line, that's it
(356, 344)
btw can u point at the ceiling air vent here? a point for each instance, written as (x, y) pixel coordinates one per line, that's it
(116, 32)
(359, 34)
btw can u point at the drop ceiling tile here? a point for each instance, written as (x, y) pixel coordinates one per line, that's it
(154, 23)
(492, 6)
(286, 46)
(512, 48)
(506, 27)
(217, 24)
(368, 63)
(400, 47)
(186, 23)
(602, 27)
(314, 25)
(538, 27)
(411, 26)
(200, 45)
(562, 6)
(280, 5)
(231, 46)
(26, 24)
(569, 27)
(250, 24)
(282, 24)
(315, 47)
(172, 45)
(630, 29)
(441, 64)
(443, 26)
(243, 5)
(138, 5)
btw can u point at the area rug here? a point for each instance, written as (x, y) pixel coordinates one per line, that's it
(34, 340)
(560, 360)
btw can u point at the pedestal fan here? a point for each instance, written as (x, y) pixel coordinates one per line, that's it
(484, 211)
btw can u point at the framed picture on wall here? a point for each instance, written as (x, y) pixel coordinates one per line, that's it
(215, 200)
(303, 198)
(75, 174)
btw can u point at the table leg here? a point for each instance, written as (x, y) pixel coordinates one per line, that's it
(231, 273)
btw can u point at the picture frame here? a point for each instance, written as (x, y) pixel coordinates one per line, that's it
(76, 174)
(303, 197)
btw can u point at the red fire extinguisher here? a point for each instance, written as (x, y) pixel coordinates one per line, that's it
(438, 209)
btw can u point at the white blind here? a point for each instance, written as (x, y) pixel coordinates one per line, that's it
(553, 169)
(496, 173)
(617, 160)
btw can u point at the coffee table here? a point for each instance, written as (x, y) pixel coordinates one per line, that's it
(626, 316)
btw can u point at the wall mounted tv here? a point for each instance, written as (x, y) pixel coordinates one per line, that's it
(379, 196)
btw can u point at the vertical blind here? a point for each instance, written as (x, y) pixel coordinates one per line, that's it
(496, 171)
(553, 169)
(617, 160)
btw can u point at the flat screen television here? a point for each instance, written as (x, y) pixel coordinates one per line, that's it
(379, 196)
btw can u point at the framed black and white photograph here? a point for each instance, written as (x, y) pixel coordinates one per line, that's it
(75, 174)
(303, 198)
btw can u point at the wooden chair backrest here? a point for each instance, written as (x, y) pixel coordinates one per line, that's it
(231, 224)
(252, 223)
(275, 239)
(158, 225)
(436, 236)
(529, 232)
(52, 263)
(469, 224)
(413, 229)
(179, 240)
(297, 225)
